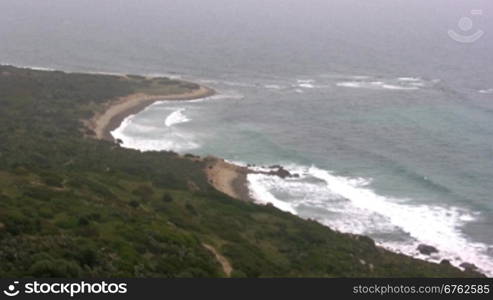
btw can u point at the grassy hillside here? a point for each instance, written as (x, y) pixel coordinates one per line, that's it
(73, 206)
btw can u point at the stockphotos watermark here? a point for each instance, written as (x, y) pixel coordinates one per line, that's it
(467, 33)
(68, 289)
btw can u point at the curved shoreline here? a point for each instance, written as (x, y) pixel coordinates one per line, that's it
(115, 111)
(226, 177)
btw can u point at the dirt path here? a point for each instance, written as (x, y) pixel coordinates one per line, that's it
(221, 259)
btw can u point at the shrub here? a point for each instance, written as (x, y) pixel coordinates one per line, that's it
(167, 198)
(52, 179)
(191, 209)
(17, 224)
(143, 191)
(87, 256)
(40, 193)
(134, 204)
(83, 221)
(59, 268)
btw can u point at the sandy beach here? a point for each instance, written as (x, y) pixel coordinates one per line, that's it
(232, 179)
(102, 123)
(225, 177)
(228, 178)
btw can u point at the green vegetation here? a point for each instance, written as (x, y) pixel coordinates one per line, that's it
(74, 206)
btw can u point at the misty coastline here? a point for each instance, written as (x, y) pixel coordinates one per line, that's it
(228, 177)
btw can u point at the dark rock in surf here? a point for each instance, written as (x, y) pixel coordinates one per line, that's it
(427, 249)
(281, 172)
(469, 267)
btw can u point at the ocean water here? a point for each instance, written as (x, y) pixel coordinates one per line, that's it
(386, 118)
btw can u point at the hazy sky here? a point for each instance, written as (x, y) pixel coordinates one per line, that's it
(31, 29)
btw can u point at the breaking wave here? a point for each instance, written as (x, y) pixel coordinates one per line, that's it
(350, 205)
(145, 137)
(486, 91)
(400, 83)
(176, 117)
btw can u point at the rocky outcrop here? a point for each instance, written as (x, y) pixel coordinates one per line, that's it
(280, 171)
(469, 267)
(427, 249)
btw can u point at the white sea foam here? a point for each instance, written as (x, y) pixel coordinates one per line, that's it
(176, 117)
(40, 68)
(219, 96)
(273, 86)
(226, 95)
(350, 84)
(486, 91)
(118, 132)
(262, 195)
(206, 81)
(402, 84)
(413, 219)
(161, 75)
(409, 79)
(177, 142)
(36, 68)
(350, 205)
(306, 85)
(238, 84)
(417, 84)
(398, 87)
(149, 138)
(139, 135)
